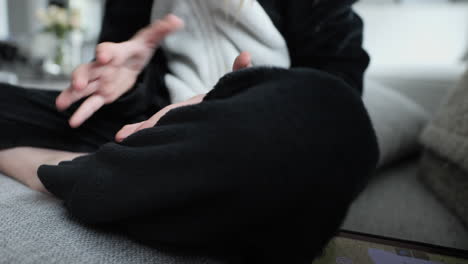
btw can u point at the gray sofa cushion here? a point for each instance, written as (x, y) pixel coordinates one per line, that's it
(445, 139)
(425, 86)
(397, 120)
(396, 204)
(446, 181)
(34, 228)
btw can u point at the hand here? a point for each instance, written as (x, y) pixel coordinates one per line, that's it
(242, 61)
(115, 70)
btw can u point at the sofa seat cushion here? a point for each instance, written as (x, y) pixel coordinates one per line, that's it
(396, 204)
(35, 228)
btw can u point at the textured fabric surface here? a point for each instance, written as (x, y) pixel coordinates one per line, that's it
(396, 204)
(447, 137)
(397, 120)
(215, 33)
(35, 228)
(447, 134)
(251, 173)
(427, 86)
(323, 35)
(447, 181)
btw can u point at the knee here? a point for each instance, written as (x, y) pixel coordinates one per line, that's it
(331, 124)
(334, 112)
(344, 112)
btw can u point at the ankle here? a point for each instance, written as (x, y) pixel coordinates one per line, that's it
(3, 160)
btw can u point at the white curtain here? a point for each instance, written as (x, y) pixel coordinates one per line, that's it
(3, 20)
(91, 11)
(22, 17)
(415, 35)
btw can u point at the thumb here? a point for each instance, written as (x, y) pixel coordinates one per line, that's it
(116, 53)
(160, 29)
(244, 60)
(140, 46)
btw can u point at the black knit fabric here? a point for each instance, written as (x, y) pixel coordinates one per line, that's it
(263, 170)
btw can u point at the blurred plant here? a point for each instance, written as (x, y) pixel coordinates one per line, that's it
(59, 22)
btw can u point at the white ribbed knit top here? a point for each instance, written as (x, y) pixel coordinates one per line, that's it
(215, 33)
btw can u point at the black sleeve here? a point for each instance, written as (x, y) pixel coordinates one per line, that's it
(324, 35)
(327, 35)
(123, 20)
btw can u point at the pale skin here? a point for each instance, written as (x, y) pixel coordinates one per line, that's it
(103, 81)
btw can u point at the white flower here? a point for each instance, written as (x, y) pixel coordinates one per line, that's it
(52, 12)
(61, 17)
(75, 18)
(43, 17)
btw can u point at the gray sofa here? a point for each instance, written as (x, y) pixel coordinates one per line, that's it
(35, 228)
(396, 204)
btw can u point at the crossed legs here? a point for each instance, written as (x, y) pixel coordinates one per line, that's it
(29, 118)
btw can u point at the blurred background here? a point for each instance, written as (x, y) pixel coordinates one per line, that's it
(36, 43)
(42, 41)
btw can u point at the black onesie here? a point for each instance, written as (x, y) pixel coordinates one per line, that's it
(264, 168)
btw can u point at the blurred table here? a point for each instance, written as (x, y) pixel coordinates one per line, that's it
(46, 84)
(31, 76)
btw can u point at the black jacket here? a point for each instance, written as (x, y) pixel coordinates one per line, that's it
(264, 169)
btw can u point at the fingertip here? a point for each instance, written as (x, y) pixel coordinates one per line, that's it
(245, 54)
(246, 58)
(119, 136)
(126, 131)
(175, 20)
(74, 123)
(159, 29)
(118, 139)
(60, 104)
(79, 79)
(60, 108)
(78, 84)
(103, 57)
